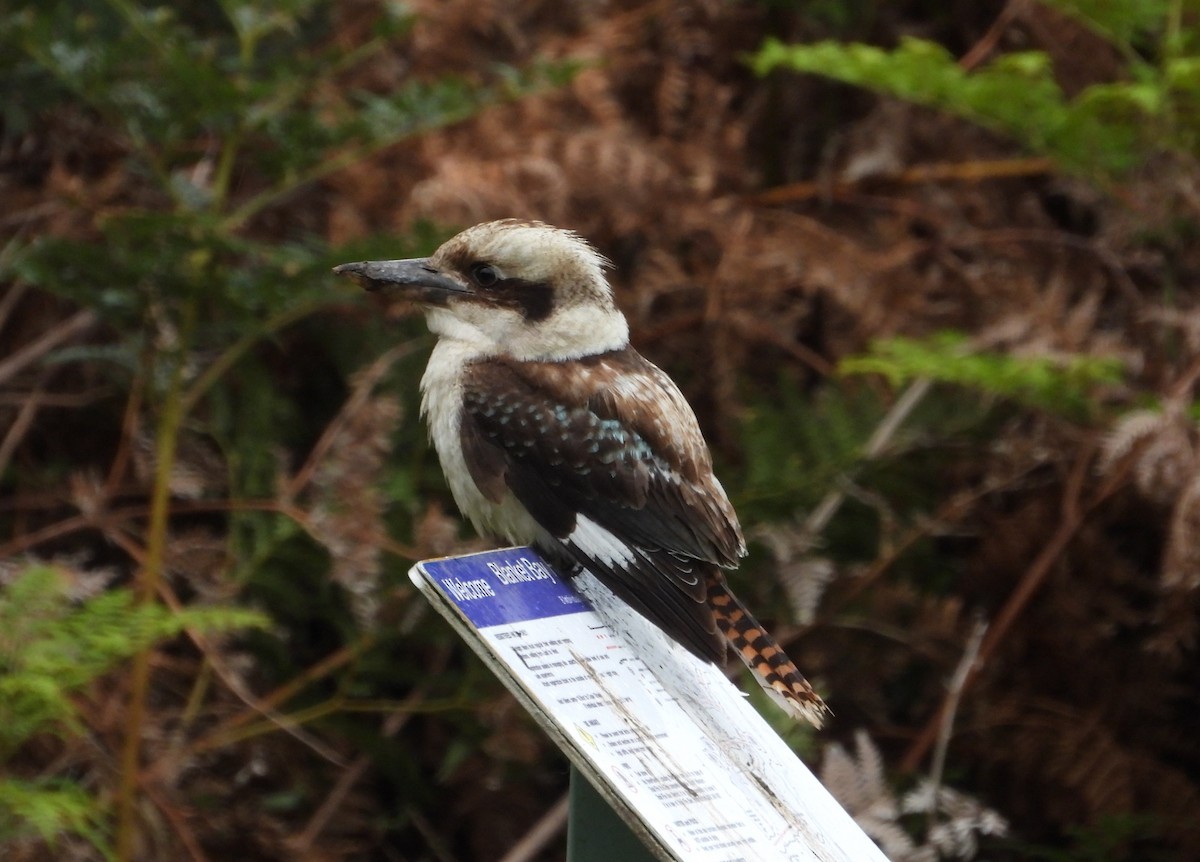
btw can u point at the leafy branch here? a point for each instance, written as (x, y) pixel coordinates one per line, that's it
(209, 133)
(1062, 384)
(51, 649)
(1104, 131)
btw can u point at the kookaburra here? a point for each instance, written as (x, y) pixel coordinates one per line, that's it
(553, 431)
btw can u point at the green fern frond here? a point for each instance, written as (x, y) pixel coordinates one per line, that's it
(50, 647)
(1058, 384)
(49, 810)
(43, 634)
(1120, 21)
(795, 447)
(1107, 129)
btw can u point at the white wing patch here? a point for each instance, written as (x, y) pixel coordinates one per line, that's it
(599, 544)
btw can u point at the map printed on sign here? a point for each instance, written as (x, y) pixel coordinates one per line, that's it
(676, 785)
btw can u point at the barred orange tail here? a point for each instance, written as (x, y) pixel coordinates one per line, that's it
(765, 658)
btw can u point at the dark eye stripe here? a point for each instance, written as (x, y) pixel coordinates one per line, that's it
(535, 299)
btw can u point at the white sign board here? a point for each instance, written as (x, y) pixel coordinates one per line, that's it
(693, 788)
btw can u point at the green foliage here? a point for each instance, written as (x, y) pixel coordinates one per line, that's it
(192, 139)
(201, 99)
(800, 447)
(796, 446)
(50, 649)
(1123, 22)
(1105, 130)
(1059, 384)
(249, 79)
(49, 809)
(1109, 839)
(216, 118)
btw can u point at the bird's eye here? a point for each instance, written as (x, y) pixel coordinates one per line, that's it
(484, 274)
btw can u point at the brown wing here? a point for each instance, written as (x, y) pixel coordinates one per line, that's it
(606, 456)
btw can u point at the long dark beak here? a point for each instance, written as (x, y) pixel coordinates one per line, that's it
(415, 279)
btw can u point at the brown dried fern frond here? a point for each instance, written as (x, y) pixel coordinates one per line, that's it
(1098, 769)
(1178, 618)
(438, 534)
(592, 88)
(1186, 321)
(857, 782)
(935, 625)
(197, 471)
(81, 581)
(1178, 628)
(1052, 311)
(199, 557)
(473, 35)
(805, 582)
(803, 576)
(958, 819)
(347, 508)
(597, 180)
(466, 190)
(955, 819)
(793, 260)
(1163, 447)
(1181, 564)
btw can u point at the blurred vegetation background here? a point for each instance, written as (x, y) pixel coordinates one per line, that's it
(929, 273)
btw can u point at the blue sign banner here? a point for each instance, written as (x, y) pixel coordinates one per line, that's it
(511, 585)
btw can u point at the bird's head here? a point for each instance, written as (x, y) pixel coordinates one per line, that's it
(509, 288)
